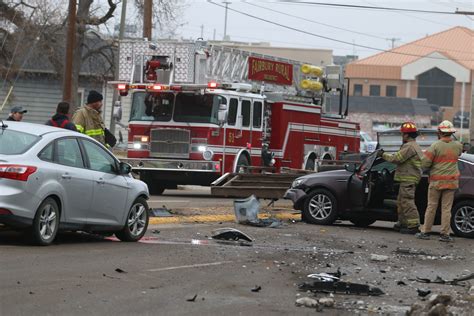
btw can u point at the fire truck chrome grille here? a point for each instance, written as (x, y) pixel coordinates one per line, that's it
(170, 143)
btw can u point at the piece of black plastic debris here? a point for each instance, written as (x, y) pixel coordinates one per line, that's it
(230, 234)
(340, 287)
(31, 293)
(160, 212)
(401, 283)
(120, 270)
(257, 288)
(110, 277)
(192, 299)
(155, 231)
(423, 292)
(439, 280)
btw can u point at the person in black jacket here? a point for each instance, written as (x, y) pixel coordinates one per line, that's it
(60, 119)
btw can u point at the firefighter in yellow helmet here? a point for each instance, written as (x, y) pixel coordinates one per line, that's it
(408, 174)
(442, 161)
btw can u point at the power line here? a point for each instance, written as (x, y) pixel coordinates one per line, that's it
(368, 7)
(352, 31)
(325, 37)
(315, 22)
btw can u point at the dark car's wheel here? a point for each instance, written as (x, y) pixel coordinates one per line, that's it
(362, 222)
(46, 223)
(320, 208)
(136, 223)
(462, 219)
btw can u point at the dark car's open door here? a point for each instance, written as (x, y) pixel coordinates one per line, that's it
(359, 186)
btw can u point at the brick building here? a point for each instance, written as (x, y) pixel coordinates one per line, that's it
(439, 68)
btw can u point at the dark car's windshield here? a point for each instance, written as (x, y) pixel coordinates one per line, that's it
(15, 142)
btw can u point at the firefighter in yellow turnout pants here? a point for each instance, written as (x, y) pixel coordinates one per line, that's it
(442, 161)
(408, 174)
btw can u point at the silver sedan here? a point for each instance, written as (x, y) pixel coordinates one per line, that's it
(53, 179)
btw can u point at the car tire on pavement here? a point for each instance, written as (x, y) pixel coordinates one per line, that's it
(46, 223)
(136, 222)
(320, 208)
(362, 222)
(462, 219)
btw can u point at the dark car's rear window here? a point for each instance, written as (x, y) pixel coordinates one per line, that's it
(15, 142)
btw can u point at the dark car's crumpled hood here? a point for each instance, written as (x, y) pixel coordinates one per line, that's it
(327, 174)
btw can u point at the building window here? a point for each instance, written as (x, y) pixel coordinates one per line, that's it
(391, 91)
(357, 90)
(375, 90)
(436, 86)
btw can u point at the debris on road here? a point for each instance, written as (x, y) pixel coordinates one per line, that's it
(155, 231)
(257, 288)
(439, 280)
(110, 277)
(401, 283)
(436, 305)
(120, 270)
(192, 299)
(229, 233)
(340, 287)
(160, 212)
(246, 213)
(423, 292)
(326, 302)
(378, 258)
(324, 277)
(307, 302)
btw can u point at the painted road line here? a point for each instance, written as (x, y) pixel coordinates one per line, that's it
(199, 265)
(214, 218)
(168, 201)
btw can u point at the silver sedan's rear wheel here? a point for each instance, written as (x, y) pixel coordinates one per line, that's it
(320, 207)
(46, 223)
(462, 219)
(136, 223)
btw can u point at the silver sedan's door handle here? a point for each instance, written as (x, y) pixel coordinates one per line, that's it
(100, 181)
(66, 176)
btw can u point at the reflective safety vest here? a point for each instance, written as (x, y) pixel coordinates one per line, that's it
(89, 121)
(442, 161)
(408, 161)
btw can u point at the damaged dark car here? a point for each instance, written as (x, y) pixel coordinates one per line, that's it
(364, 193)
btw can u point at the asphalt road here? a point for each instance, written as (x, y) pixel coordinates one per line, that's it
(78, 274)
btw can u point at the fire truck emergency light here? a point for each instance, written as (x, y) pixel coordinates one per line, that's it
(212, 85)
(123, 89)
(311, 85)
(312, 70)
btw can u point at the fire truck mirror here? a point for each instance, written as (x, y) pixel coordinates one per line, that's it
(118, 111)
(222, 114)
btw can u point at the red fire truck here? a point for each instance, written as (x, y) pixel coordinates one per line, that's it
(200, 110)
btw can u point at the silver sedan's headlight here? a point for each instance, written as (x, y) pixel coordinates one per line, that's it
(297, 183)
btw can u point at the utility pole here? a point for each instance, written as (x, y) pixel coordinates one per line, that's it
(225, 19)
(202, 31)
(147, 18)
(115, 96)
(393, 39)
(71, 39)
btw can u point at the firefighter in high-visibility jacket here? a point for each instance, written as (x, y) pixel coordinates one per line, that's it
(408, 174)
(442, 161)
(88, 119)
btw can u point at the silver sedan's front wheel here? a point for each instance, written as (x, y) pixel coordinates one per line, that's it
(462, 219)
(136, 223)
(320, 207)
(46, 222)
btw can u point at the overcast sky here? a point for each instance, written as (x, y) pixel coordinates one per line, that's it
(362, 27)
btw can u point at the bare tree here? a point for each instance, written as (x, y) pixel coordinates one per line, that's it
(165, 16)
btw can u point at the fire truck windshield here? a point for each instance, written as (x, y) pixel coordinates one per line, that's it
(154, 106)
(197, 108)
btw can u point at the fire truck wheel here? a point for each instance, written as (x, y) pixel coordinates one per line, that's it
(243, 161)
(320, 208)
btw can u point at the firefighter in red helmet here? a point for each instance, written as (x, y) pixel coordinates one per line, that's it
(408, 174)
